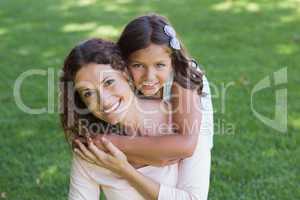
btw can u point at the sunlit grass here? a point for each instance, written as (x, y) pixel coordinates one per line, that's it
(2, 31)
(105, 32)
(93, 29)
(237, 6)
(287, 49)
(75, 27)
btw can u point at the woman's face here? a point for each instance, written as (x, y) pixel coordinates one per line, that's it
(150, 68)
(105, 91)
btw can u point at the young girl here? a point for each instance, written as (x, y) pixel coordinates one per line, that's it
(160, 68)
(93, 70)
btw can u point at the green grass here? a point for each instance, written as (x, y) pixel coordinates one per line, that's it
(238, 42)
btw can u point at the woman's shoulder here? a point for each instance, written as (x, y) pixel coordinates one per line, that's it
(179, 91)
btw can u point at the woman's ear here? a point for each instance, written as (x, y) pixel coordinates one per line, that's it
(125, 73)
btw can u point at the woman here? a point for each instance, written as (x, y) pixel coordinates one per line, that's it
(81, 64)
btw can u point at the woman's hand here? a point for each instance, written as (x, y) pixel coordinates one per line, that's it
(114, 160)
(97, 140)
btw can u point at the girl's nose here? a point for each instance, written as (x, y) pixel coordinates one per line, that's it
(151, 73)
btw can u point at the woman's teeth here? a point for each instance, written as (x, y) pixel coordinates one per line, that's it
(113, 107)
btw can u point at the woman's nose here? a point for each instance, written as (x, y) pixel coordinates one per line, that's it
(104, 97)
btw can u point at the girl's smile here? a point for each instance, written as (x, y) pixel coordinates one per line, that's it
(150, 68)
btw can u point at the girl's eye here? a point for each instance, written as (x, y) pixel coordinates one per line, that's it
(136, 65)
(109, 82)
(160, 65)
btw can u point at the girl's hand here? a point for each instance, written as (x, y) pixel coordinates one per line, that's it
(115, 160)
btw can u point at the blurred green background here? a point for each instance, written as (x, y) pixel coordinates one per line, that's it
(238, 42)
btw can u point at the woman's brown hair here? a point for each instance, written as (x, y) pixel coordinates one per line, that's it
(142, 31)
(73, 109)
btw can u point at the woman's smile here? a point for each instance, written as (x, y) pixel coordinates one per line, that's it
(112, 95)
(113, 107)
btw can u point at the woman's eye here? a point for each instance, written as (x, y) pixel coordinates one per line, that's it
(108, 82)
(160, 65)
(87, 94)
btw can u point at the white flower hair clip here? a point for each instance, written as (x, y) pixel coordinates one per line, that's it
(174, 42)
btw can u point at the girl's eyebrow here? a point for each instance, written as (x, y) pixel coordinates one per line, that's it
(135, 61)
(161, 61)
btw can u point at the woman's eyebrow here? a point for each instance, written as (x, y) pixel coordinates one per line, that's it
(104, 79)
(81, 89)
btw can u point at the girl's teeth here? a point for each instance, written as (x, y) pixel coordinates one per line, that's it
(147, 84)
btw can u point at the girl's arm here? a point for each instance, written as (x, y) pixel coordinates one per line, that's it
(156, 150)
(162, 150)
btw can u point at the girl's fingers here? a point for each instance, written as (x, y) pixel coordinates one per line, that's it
(85, 151)
(112, 148)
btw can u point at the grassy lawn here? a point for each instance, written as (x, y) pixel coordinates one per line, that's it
(238, 42)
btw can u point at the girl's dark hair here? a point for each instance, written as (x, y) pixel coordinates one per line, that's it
(73, 109)
(144, 30)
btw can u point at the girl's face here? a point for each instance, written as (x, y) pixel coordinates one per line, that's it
(150, 68)
(105, 91)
